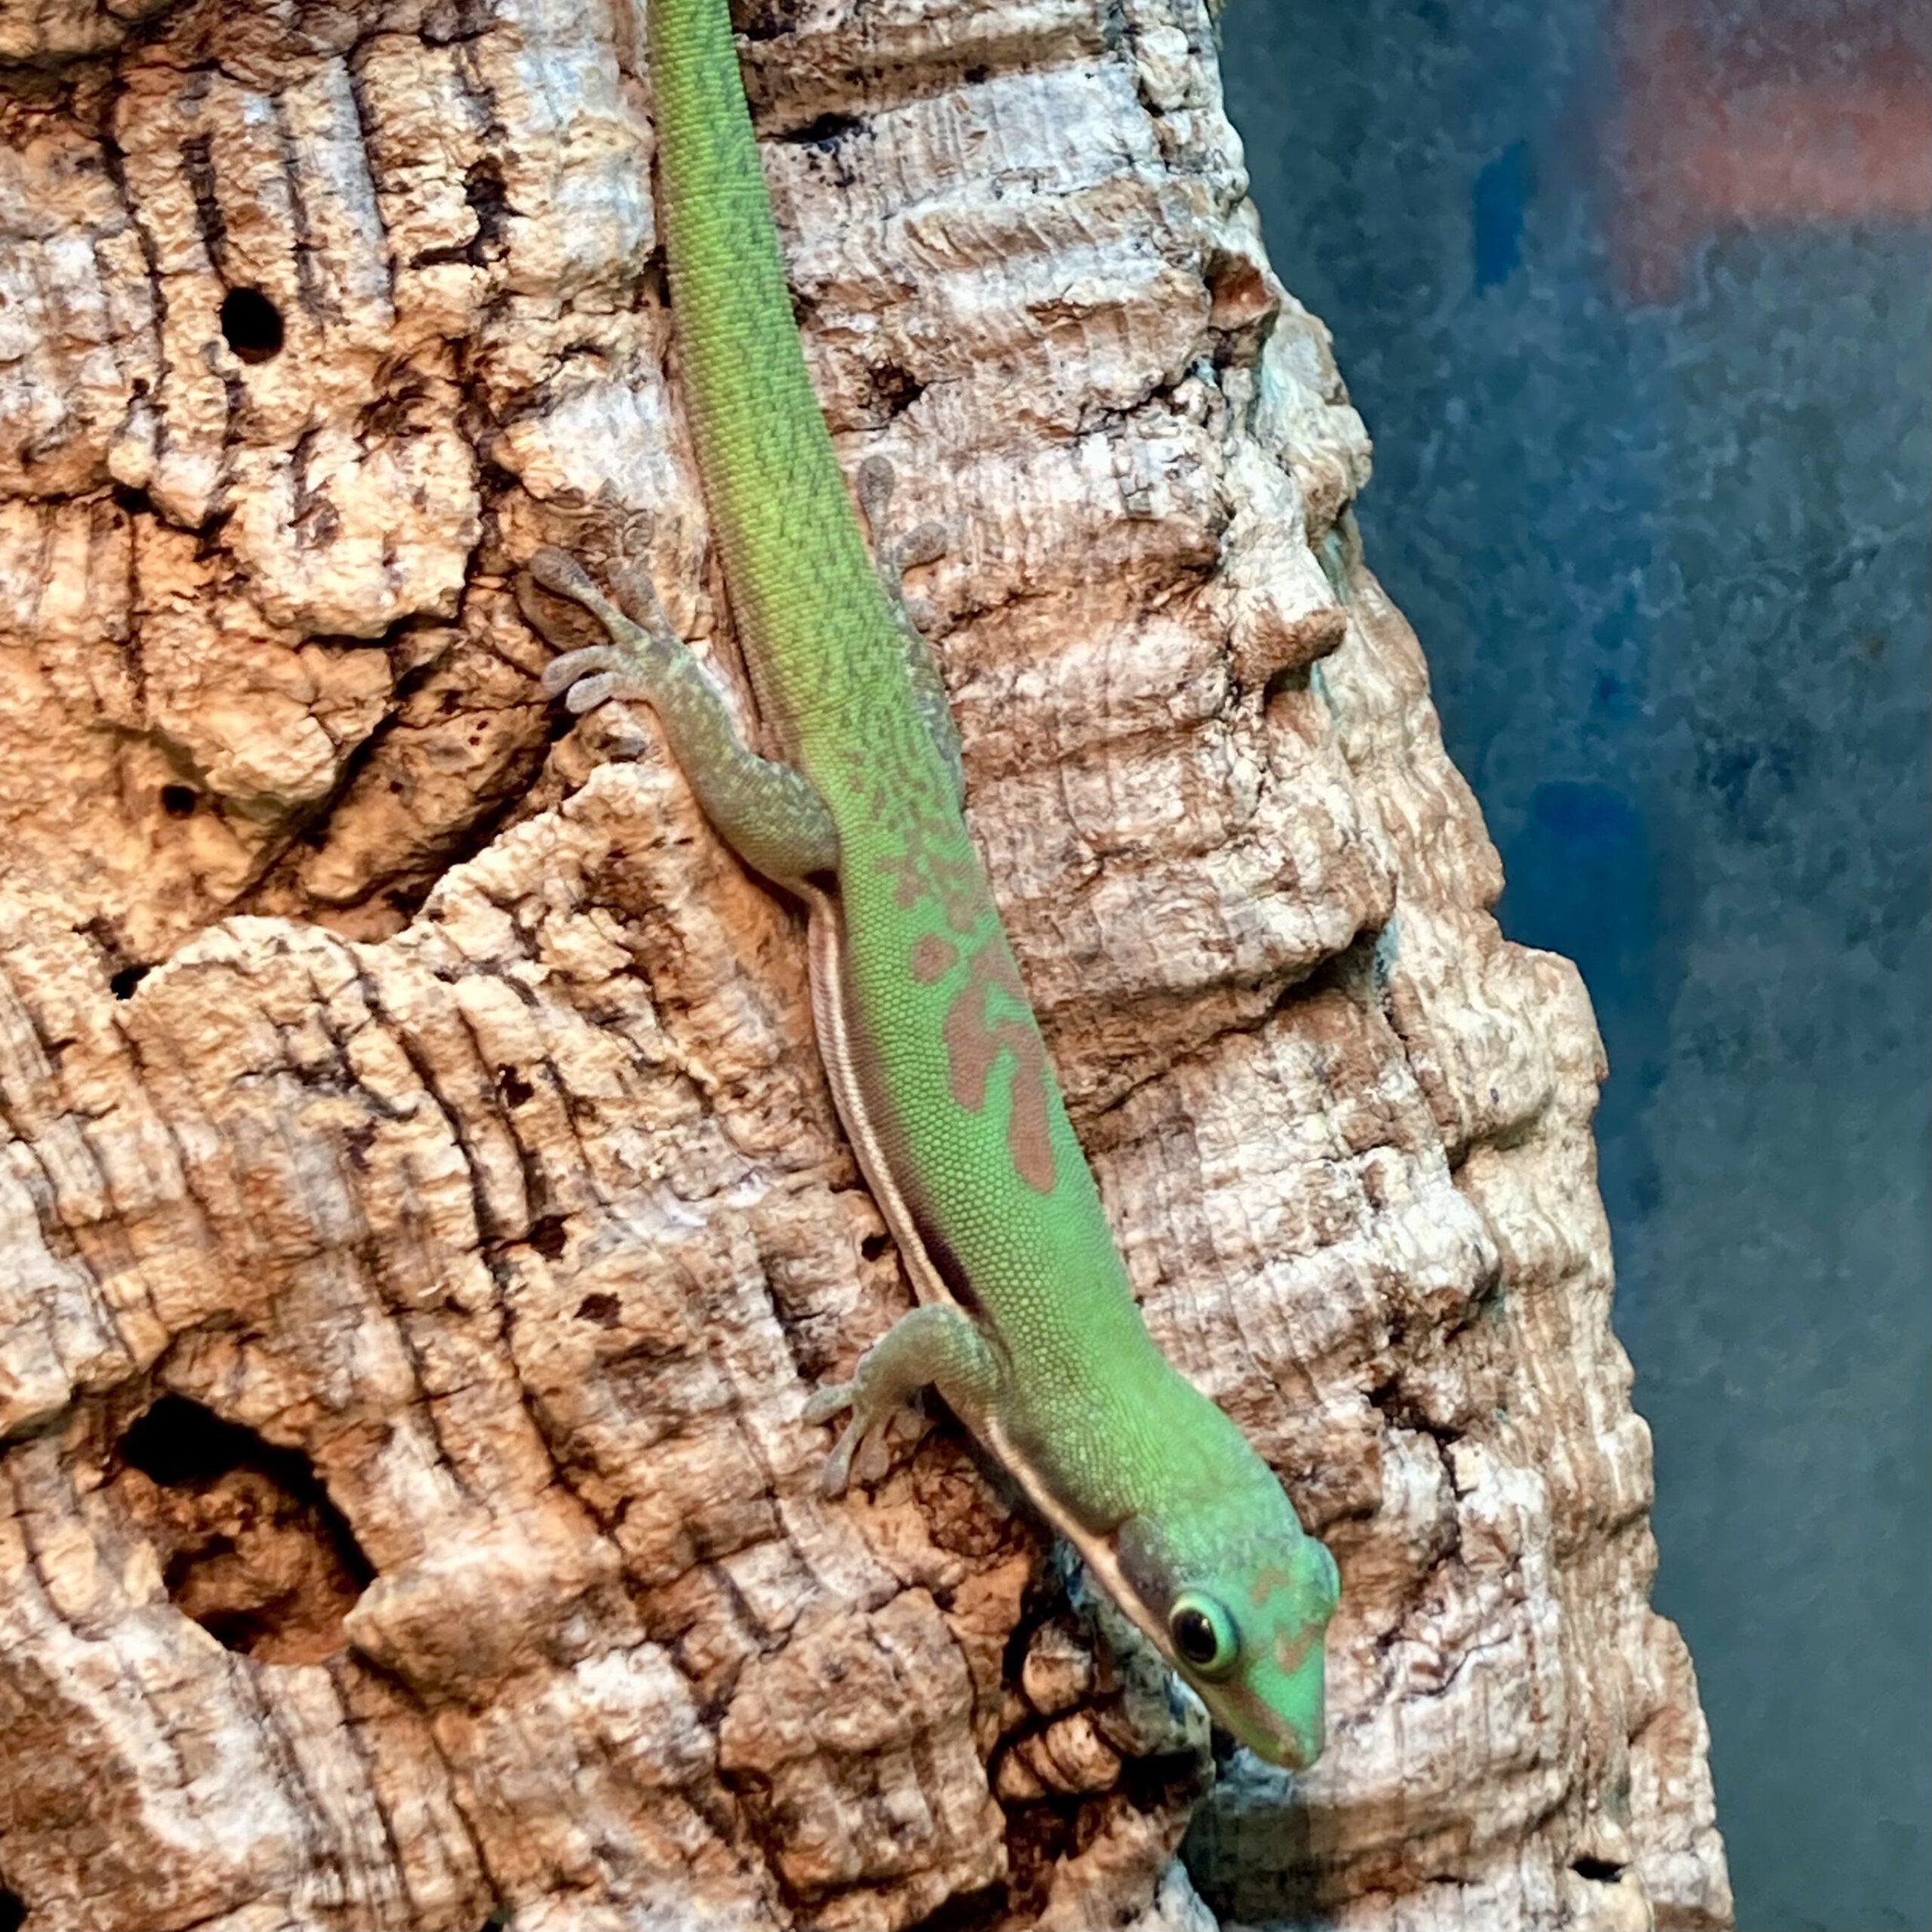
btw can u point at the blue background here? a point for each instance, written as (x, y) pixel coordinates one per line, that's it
(1668, 559)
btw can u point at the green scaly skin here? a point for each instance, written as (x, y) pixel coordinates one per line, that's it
(1027, 1327)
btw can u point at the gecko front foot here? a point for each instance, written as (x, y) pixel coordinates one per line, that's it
(593, 675)
(923, 544)
(586, 678)
(770, 814)
(896, 554)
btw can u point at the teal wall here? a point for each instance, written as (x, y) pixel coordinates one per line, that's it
(1665, 540)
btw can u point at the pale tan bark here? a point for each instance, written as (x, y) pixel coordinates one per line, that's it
(424, 1217)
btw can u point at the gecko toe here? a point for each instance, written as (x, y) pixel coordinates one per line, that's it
(874, 1459)
(826, 1403)
(561, 674)
(924, 543)
(875, 480)
(560, 574)
(587, 694)
(836, 1477)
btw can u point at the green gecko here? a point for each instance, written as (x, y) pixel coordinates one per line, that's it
(1027, 1326)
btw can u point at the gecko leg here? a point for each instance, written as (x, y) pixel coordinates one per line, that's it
(770, 814)
(935, 1346)
(895, 556)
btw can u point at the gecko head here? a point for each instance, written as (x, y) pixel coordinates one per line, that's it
(1241, 1595)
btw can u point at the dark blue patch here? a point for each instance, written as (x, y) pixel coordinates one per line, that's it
(1594, 817)
(1579, 884)
(1503, 192)
(1584, 881)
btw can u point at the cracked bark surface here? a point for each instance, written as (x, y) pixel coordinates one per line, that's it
(424, 1215)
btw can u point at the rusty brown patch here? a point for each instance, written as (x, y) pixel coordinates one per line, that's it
(932, 958)
(1291, 1648)
(974, 1044)
(910, 882)
(1029, 1135)
(938, 863)
(1269, 1578)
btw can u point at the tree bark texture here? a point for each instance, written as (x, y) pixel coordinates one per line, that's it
(423, 1217)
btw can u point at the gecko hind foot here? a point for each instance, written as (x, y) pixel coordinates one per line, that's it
(836, 1476)
(861, 1447)
(935, 1346)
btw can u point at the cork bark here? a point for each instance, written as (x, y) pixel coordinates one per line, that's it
(423, 1214)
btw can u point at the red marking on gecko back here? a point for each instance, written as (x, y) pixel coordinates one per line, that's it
(932, 958)
(973, 1044)
(937, 866)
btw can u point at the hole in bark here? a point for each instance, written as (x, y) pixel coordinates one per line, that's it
(134, 502)
(177, 1442)
(1604, 1870)
(251, 1547)
(897, 389)
(602, 1309)
(765, 19)
(1283, 682)
(827, 131)
(515, 1090)
(965, 1912)
(250, 324)
(13, 1910)
(484, 189)
(121, 985)
(873, 1246)
(547, 1236)
(180, 801)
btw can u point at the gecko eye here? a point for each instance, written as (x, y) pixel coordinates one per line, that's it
(1204, 1636)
